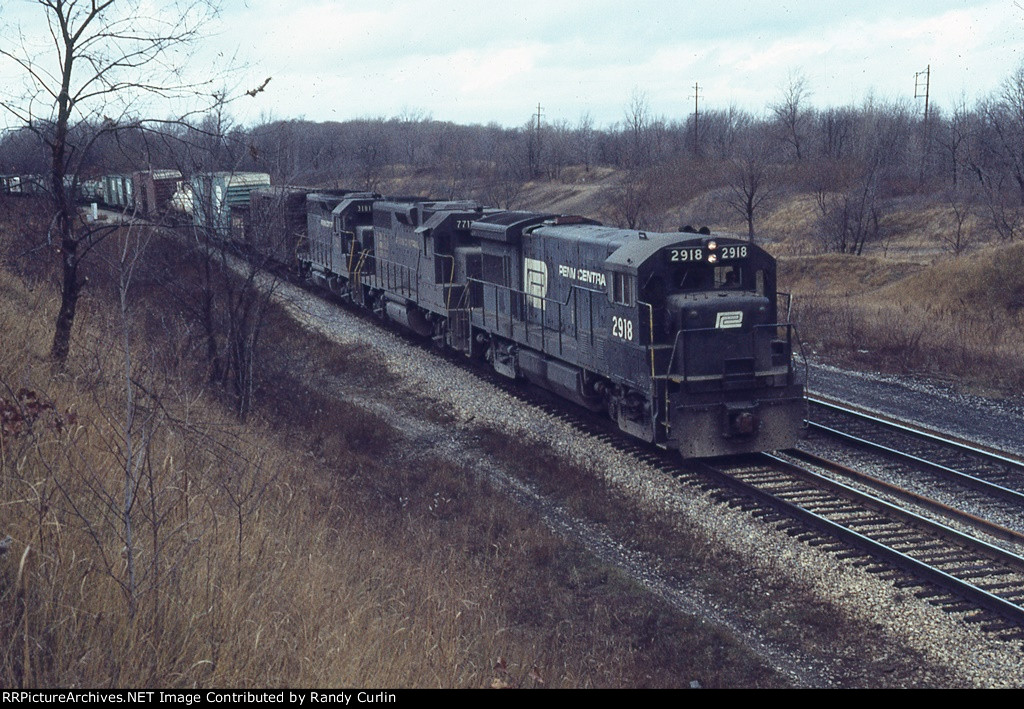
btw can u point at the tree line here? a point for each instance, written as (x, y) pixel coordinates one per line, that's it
(854, 159)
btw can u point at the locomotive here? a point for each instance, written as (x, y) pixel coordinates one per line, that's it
(676, 336)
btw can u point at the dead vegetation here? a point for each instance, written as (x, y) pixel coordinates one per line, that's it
(910, 305)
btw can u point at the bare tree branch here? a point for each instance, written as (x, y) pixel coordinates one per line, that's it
(104, 59)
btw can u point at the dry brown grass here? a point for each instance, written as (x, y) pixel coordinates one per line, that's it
(958, 318)
(254, 565)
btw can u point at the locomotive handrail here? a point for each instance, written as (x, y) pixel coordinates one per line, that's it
(352, 251)
(803, 355)
(789, 303)
(650, 334)
(521, 297)
(451, 279)
(408, 287)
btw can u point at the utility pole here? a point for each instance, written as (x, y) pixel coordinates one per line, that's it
(922, 88)
(696, 115)
(535, 145)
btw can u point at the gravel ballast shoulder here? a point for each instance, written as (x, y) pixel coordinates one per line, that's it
(942, 406)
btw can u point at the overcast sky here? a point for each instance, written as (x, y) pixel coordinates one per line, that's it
(477, 61)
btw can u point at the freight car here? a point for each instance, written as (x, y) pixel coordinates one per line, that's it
(220, 201)
(118, 192)
(154, 191)
(10, 184)
(677, 336)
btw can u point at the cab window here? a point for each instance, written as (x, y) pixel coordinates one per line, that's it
(622, 289)
(728, 278)
(702, 278)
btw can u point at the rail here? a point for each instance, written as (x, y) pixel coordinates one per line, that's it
(864, 530)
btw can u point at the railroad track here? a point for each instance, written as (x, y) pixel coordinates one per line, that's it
(994, 465)
(951, 568)
(961, 571)
(954, 472)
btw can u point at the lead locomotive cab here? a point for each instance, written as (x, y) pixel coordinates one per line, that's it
(722, 373)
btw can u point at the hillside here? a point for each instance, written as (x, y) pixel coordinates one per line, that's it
(150, 538)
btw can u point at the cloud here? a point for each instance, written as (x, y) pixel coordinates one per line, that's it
(467, 61)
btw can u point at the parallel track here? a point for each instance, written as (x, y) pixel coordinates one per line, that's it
(949, 475)
(983, 575)
(987, 471)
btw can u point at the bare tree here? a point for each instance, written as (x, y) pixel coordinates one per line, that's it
(751, 176)
(534, 134)
(997, 156)
(837, 131)
(638, 198)
(586, 140)
(1008, 122)
(503, 183)
(954, 139)
(638, 126)
(792, 115)
(373, 154)
(961, 204)
(100, 61)
(412, 132)
(849, 219)
(723, 131)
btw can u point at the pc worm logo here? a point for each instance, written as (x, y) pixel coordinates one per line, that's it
(729, 320)
(535, 282)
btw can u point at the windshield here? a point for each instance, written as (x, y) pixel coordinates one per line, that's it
(706, 277)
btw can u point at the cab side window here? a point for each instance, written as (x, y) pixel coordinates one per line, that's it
(622, 289)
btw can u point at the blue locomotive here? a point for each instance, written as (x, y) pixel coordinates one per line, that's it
(677, 336)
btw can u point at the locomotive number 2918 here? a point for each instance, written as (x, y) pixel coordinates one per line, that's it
(685, 255)
(622, 328)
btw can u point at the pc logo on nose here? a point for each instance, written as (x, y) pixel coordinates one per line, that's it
(729, 320)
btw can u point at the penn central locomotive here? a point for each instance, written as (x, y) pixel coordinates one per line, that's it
(676, 336)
